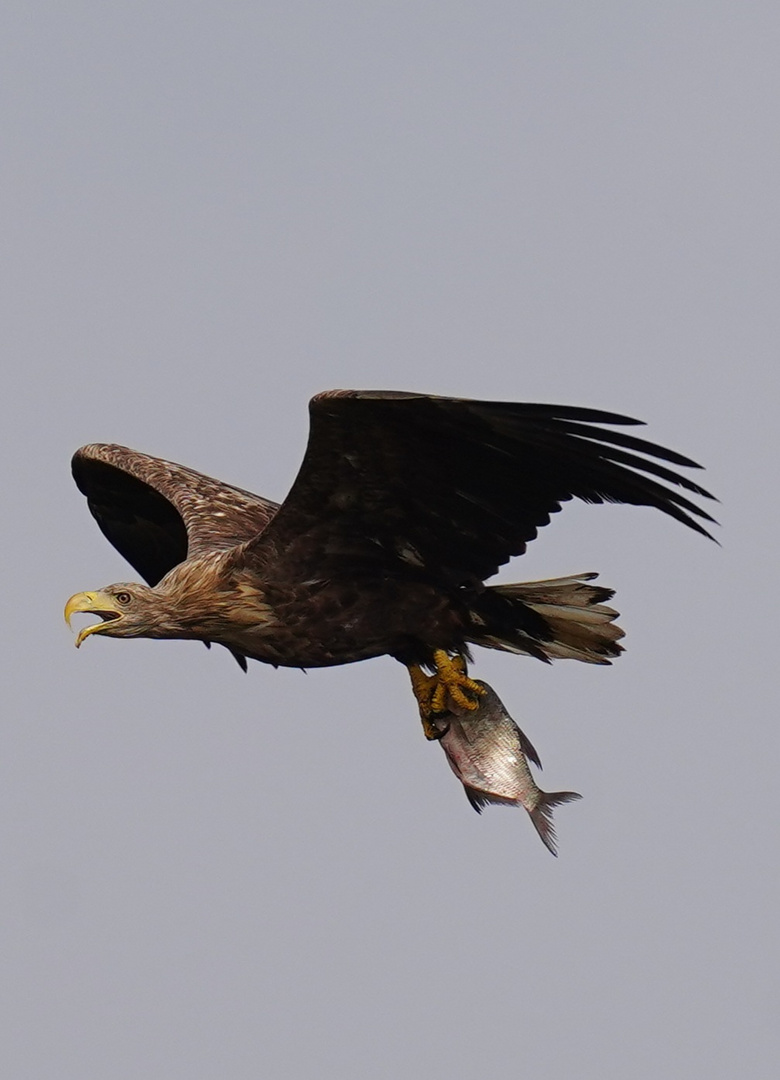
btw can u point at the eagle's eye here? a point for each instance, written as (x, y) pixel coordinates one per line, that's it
(123, 597)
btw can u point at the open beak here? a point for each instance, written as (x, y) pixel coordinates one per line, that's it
(92, 603)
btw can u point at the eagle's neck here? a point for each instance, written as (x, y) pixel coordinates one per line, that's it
(208, 597)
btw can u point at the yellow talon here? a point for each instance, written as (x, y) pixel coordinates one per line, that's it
(423, 688)
(449, 685)
(452, 682)
(430, 731)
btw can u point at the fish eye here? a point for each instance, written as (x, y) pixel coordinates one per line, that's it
(123, 597)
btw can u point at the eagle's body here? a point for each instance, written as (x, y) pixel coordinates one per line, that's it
(313, 623)
(404, 505)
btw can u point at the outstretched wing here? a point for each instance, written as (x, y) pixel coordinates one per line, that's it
(157, 513)
(457, 487)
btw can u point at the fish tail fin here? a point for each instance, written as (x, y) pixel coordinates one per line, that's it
(541, 815)
(562, 618)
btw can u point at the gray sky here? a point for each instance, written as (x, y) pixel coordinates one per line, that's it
(213, 211)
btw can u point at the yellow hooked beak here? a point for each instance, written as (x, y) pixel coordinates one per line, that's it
(92, 603)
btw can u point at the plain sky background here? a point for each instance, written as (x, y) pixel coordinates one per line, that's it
(215, 210)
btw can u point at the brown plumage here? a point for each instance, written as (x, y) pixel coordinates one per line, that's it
(404, 505)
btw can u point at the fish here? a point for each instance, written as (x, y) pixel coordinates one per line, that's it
(489, 754)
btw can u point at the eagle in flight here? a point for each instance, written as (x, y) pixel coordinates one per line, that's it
(404, 505)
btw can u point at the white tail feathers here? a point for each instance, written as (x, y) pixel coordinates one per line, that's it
(581, 626)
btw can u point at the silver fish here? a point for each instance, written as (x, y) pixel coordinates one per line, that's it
(487, 751)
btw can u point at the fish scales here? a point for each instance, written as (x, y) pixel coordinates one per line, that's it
(489, 754)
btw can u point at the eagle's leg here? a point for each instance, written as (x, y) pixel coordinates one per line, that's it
(423, 688)
(450, 683)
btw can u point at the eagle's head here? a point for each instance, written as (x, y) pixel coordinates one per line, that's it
(126, 610)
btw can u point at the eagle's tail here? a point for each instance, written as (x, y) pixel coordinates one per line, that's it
(560, 618)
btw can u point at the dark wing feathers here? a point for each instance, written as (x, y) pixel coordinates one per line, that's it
(157, 513)
(452, 487)
(458, 486)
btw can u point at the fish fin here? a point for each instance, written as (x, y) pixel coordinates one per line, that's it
(480, 799)
(542, 817)
(528, 748)
(476, 798)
